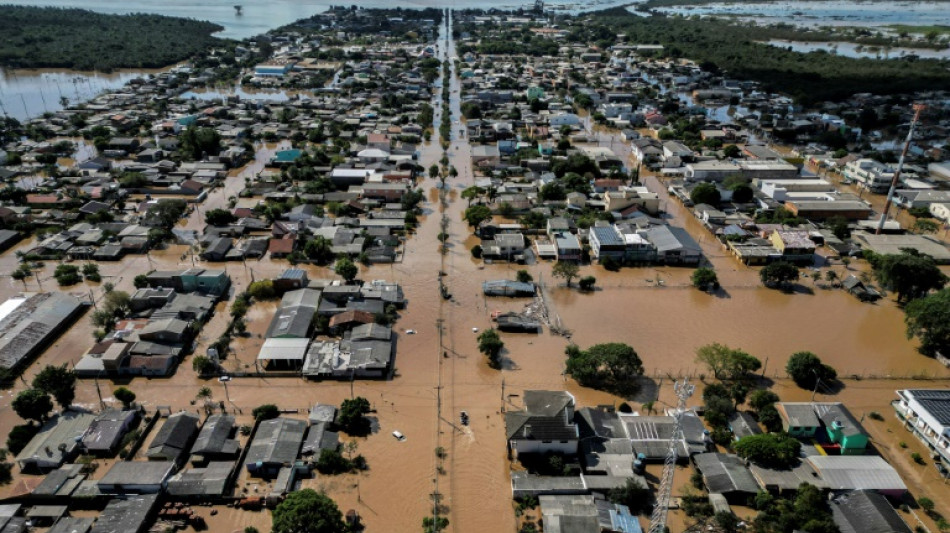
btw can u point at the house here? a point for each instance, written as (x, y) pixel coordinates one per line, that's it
(217, 250)
(926, 413)
(842, 428)
(819, 210)
(674, 246)
(136, 477)
(291, 279)
(276, 445)
(58, 441)
(546, 424)
(606, 241)
(865, 511)
(795, 246)
(283, 353)
(485, 155)
(742, 424)
(866, 472)
(869, 174)
(567, 247)
(127, 515)
(106, 431)
(174, 438)
(798, 418)
(201, 483)
(508, 246)
(215, 440)
(726, 474)
(857, 288)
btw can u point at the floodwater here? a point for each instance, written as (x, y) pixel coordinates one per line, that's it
(27, 93)
(276, 95)
(823, 13)
(857, 50)
(665, 322)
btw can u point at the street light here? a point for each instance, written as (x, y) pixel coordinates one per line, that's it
(817, 381)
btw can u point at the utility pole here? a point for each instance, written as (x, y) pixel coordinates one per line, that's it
(658, 520)
(900, 166)
(502, 395)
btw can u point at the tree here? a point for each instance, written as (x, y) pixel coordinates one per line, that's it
(910, 275)
(434, 171)
(727, 363)
(805, 368)
(778, 450)
(731, 151)
(267, 411)
(929, 319)
(762, 398)
(125, 396)
(523, 276)
(566, 270)
(490, 345)
(66, 275)
(632, 494)
(32, 404)
(307, 511)
(705, 278)
(346, 269)
(197, 143)
(705, 193)
(331, 462)
(610, 366)
(552, 192)
(742, 194)
(59, 382)
(587, 283)
(472, 193)
(168, 212)
(20, 436)
(90, 271)
(778, 274)
(219, 217)
(476, 214)
(203, 365)
(351, 415)
(839, 227)
(319, 249)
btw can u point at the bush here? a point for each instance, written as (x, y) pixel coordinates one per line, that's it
(332, 462)
(125, 396)
(704, 278)
(491, 345)
(477, 251)
(262, 290)
(203, 365)
(267, 411)
(917, 458)
(587, 283)
(779, 274)
(523, 276)
(705, 193)
(611, 264)
(67, 275)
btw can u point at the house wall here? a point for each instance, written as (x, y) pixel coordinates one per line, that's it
(538, 446)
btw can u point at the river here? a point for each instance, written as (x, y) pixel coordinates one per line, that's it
(857, 50)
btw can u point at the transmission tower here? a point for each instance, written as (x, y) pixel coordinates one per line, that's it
(658, 521)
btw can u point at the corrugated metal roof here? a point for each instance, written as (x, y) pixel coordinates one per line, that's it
(853, 472)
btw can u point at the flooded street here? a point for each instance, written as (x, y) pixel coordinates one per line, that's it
(655, 310)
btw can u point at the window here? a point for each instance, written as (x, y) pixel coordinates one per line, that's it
(546, 441)
(793, 428)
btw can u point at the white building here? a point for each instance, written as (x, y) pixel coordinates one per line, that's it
(870, 175)
(546, 424)
(926, 413)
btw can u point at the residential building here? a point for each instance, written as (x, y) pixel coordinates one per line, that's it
(674, 246)
(173, 440)
(606, 241)
(795, 246)
(136, 477)
(546, 424)
(842, 428)
(275, 445)
(58, 441)
(798, 418)
(864, 511)
(728, 475)
(29, 323)
(870, 175)
(926, 413)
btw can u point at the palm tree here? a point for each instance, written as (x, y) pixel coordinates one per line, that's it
(831, 276)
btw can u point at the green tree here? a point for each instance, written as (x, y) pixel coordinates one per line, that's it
(32, 404)
(928, 318)
(197, 142)
(910, 275)
(434, 171)
(472, 193)
(262, 290)
(90, 271)
(523, 276)
(332, 462)
(477, 214)
(839, 227)
(124, 395)
(705, 278)
(203, 365)
(727, 363)
(351, 417)
(20, 436)
(59, 382)
(267, 411)
(731, 151)
(742, 194)
(762, 398)
(66, 275)
(779, 274)
(346, 269)
(587, 283)
(705, 193)
(777, 450)
(552, 192)
(219, 217)
(490, 345)
(566, 270)
(319, 249)
(611, 366)
(307, 511)
(805, 368)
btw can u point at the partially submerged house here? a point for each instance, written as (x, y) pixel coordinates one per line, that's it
(546, 424)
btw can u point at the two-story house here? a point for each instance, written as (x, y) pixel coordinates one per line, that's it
(546, 424)
(926, 412)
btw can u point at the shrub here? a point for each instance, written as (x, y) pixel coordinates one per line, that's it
(587, 283)
(266, 412)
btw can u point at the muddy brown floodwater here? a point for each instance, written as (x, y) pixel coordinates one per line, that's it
(665, 323)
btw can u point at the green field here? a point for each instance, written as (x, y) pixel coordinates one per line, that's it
(922, 30)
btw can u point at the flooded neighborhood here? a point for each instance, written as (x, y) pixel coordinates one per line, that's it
(470, 270)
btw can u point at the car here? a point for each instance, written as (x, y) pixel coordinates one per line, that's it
(399, 436)
(224, 378)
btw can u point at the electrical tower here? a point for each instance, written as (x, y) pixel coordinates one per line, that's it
(539, 6)
(900, 166)
(658, 520)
